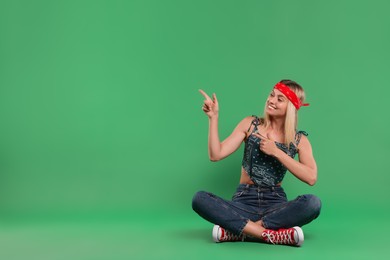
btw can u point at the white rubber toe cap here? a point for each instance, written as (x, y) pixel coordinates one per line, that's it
(298, 236)
(216, 233)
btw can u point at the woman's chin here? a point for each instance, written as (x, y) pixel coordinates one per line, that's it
(274, 114)
(271, 111)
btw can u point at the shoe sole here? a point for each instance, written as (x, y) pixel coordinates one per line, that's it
(215, 233)
(301, 237)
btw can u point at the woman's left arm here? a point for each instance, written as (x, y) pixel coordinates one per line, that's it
(305, 169)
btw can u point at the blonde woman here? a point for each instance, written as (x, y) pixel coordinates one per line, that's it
(259, 209)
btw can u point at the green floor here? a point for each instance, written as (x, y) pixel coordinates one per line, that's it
(100, 112)
(182, 235)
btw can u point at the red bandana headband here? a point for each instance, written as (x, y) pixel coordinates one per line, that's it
(290, 95)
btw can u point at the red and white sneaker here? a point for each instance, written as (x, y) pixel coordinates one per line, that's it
(291, 236)
(222, 235)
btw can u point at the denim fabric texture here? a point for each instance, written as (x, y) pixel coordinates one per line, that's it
(251, 202)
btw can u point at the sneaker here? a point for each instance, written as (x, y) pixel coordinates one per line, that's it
(291, 236)
(222, 235)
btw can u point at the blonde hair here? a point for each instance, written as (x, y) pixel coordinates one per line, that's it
(291, 119)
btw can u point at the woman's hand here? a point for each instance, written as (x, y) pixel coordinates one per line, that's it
(267, 145)
(305, 169)
(210, 106)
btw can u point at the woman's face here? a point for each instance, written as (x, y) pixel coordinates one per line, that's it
(276, 104)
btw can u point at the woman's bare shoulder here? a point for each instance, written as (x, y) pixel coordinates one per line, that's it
(247, 121)
(247, 125)
(304, 144)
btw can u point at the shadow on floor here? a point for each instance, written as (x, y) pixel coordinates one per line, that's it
(194, 234)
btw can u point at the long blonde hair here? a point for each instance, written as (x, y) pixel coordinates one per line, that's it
(291, 120)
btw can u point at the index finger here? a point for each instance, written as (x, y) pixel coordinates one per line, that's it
(204, 94)
(260, 135)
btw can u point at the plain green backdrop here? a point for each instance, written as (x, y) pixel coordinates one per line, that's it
(103, 141)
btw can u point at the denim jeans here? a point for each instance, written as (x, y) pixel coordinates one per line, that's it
(251, 202)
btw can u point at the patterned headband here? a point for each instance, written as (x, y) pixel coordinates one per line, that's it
(290, 95)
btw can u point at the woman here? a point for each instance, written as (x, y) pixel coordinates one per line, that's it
(259, 209)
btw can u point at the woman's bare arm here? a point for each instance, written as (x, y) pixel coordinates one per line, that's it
(217, 149)
(305, 169)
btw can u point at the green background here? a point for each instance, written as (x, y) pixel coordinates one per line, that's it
(103, 141)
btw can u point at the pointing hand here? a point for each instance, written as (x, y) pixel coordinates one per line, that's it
(210, 106)
(267, 145)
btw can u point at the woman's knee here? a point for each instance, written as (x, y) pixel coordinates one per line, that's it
(199, 199)
(313, 204)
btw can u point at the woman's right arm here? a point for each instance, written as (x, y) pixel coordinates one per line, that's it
(217, 149)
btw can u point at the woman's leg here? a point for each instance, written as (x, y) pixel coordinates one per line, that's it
(282, 218)
(224, 213)
(231, 215)
(241, 219)
(298, 212)
(254, 229)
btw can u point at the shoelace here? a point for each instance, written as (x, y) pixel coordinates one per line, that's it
(279, 237)
(228, 236)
